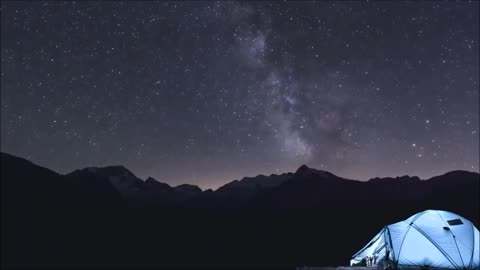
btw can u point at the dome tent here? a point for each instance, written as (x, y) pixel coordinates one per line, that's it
(432, 239)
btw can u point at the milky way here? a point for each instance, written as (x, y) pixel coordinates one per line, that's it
(208, 92)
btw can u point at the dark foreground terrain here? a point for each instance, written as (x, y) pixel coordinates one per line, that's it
(108, 217)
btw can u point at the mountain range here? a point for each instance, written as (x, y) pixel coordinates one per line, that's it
(108, 216)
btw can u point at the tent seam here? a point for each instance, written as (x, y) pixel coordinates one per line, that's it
(473, 245)
(390, 243)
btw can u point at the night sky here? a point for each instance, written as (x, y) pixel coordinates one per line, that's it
(208, 92)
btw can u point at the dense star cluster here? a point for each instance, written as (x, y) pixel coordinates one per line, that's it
(207, 92)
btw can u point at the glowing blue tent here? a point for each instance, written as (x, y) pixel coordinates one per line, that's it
(430, 239)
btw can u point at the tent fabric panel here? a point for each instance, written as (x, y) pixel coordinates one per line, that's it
(464, 236)
(456, 240)
(397, 232)
(418, 250)
(442, 239)
(449, 252)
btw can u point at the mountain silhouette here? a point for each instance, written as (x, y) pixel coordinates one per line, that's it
(106, 216)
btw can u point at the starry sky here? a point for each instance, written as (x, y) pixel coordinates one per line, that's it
(205, 92)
